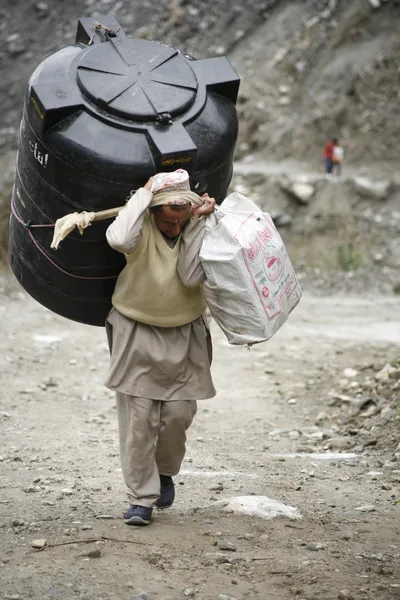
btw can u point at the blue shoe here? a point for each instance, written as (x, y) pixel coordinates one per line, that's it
(167, 492)
(138, 515)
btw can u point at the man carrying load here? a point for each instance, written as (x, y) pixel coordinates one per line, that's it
(159, 341)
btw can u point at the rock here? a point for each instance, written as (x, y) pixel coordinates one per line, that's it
(50, 382)
(225, 597)
(42, 8)
(315, 547)
(301, 191)
(284, 220)
(349, 372)
(379, 190)
(293, 435)
(16, 47)
(142, 596)
(345, 595)
(216, 488)
(38, 543)
(366, 508)
(18, 522)
(94, 553)
(104, 517)
(322, 418)
(31, 489)
(388, 372)
(189, 592)
(339, 443)
(258, 506)
(373, 441)
(375, 3)
(228, 546)
(67, 492)
(217, 557)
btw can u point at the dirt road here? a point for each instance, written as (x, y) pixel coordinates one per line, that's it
(61, 481)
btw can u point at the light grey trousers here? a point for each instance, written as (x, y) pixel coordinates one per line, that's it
(152, 440)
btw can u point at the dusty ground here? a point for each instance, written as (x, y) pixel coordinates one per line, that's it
(60, 472)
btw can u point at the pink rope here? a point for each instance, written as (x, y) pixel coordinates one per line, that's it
(16, 215)
(27, 227)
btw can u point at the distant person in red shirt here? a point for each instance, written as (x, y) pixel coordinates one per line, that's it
(328, 155)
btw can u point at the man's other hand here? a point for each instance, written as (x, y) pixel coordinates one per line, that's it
(204, 209)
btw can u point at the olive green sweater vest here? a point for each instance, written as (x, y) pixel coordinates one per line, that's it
(149, 289)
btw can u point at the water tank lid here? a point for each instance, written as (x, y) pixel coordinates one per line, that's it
(137, 79)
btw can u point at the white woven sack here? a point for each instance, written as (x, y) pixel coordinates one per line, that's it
(251, 286)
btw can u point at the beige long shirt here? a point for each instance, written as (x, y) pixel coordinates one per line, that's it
(161, 363)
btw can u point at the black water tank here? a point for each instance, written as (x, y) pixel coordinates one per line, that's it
(100, 117)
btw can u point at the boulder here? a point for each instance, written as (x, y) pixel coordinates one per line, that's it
(299, 189)
(367, 188)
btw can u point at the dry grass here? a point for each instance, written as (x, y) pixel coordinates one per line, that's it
(340, 248)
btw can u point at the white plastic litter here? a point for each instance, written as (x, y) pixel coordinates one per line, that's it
(259, 506)
(251, 286)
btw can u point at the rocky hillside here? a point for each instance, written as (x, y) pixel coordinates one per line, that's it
(310, 69)
(330, 72)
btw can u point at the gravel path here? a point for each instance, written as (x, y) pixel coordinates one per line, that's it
(60, 479)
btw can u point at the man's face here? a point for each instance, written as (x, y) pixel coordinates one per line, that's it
(171, 220)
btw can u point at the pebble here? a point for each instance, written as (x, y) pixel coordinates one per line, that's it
(228, 546)
(189, 592)
(366, 508)
(315, 547)
(216, 488)
(217, 557)
(31, 489)
(225, 597)
(104, 517)
(349, 372)
(67, 492)
(339, 443)
(18, 522)
(42, 7)
(142, 596)
(345, 595)
(38, 543)
(95, 553)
